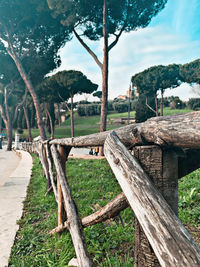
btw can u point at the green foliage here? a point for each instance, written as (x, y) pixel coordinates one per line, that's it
(89, 109)
(36, 37)
(189, 199)
(194, 103)
(156, 78)
(142, 111)
(190, 72)
(72, 82)
(98, 94)
(121, 106)
(122, 15)
(177, 103)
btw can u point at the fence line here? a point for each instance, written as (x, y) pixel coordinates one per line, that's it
(170, 241)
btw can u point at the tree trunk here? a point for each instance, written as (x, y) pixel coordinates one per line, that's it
(9, 131)
(27, 123)
(58, 114)
(51, 123)
(104, 72)
(156, 102)
(72, 116)
(9, 123)
(161, 104)
(31, 90)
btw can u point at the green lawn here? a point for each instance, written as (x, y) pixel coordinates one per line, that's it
(89, 125)
(91, 182)
(109, 244)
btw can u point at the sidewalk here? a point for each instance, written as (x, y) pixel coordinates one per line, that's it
(12, 193)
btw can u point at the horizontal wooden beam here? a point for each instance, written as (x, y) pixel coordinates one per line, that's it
(180, 130)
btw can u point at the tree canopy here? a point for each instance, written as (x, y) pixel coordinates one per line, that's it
(104, 18)
(190, 72)
(68, 84)
(153, 79)
(30, 34)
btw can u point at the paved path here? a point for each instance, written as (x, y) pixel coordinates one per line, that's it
(15, 174)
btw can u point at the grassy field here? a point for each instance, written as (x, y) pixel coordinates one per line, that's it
(89, 125)
(109, 244)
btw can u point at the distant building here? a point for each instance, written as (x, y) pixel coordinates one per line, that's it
(135, 91)
(129, 93)
(123, 97)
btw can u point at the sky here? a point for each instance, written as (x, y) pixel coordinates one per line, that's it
(173, 36)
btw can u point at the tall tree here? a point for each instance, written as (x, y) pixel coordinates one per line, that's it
(32, 36)
(94, 19)
(71, 83)
(157, 78)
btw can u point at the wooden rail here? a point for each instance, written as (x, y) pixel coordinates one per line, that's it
(170, 241)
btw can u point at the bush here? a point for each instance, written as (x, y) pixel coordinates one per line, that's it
(120, 107)
(194, 103)
(89, 109)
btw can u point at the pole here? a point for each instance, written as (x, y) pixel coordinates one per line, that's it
(129, 92)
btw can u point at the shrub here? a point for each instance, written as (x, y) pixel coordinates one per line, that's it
(89, 109)
(194, 103)
(120, 106)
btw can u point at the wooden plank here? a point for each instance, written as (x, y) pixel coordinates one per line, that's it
(110, 210)
(170, 241)
(180, 130)
(49, 159)
(74, 224)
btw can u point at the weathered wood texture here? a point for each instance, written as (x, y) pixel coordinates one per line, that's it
(74, 224)
(170, 241)
(180, 130)
(50, 162)
(109, 211)
(162, 168)
(43, 162)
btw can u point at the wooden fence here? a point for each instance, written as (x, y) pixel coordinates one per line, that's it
(147, 160)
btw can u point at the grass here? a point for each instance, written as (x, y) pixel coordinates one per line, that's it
(91, 182)
(109, 244)
(89, 125)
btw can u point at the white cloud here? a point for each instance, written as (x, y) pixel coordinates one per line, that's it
(134, 52)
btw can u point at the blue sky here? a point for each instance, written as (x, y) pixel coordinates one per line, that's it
(173, 36)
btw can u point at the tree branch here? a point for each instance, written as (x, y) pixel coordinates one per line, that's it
(116, 39)
(150, 106)
(88, 49)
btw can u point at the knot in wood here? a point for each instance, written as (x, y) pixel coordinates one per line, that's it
(116, 161)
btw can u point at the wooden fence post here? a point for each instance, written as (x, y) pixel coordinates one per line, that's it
(73, 220)
(171, 242)
(162, 167)
(61, 209)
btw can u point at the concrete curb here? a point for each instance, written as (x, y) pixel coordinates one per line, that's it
(12, 195)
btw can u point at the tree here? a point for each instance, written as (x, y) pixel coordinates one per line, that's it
(98, 94)
(31, 37)
(156, 78)
(94, 19)
(71, 83)
(190, 72)
(49, 95)
(9, 81)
